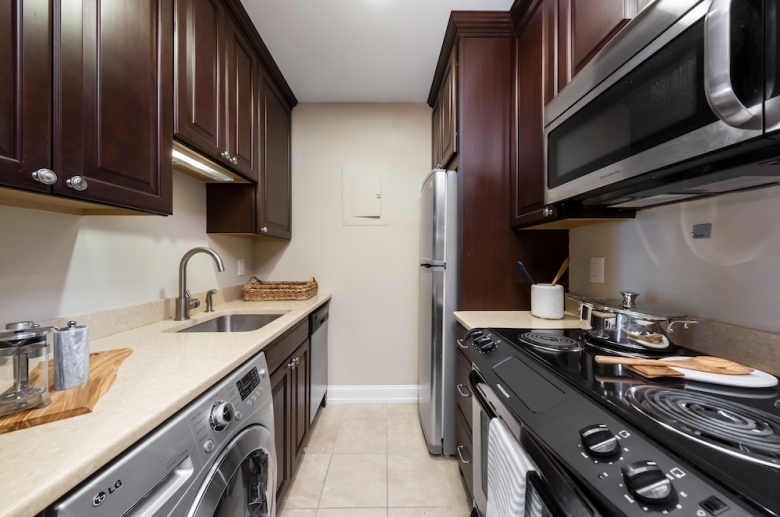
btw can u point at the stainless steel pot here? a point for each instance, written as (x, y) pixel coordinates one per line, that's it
(627, 324)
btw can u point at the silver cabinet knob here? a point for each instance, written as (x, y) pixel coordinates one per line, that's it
(264, 229)
(226, 154)
(547, 212)
(234, 160)
(77, 183)
(45, 176)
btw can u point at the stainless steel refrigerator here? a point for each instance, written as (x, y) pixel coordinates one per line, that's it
(438, 298)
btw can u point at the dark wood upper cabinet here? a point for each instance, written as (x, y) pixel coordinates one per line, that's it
(445, 115)
(199, 110)
(113, 103)
(528, 173)
(241, 101)
(449, 110)
(274, 193)
(25, 91)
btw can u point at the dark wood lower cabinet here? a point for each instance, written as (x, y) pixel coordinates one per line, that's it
(465, 446)
(281, 389)
(291, 391)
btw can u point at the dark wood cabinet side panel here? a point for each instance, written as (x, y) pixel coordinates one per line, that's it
(487, 242)
(593, 24)
(550, 13)
(199, 117)
(448, 105)
(123, 111)
(230, 208)
(25, 91)
(274, 189)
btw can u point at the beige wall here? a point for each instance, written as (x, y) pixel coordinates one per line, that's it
(733, 277)
(54, 265)
(371, 270)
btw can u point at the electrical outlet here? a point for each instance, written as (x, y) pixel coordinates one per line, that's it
(597, 270)
(241, 267)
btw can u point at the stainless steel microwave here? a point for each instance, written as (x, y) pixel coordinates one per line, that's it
(683, 103)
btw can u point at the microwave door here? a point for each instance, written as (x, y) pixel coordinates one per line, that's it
(681, 97)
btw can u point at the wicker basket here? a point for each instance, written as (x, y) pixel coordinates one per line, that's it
(257, 289)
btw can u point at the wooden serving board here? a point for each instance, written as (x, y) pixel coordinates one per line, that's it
(652, 372)
(103, 368)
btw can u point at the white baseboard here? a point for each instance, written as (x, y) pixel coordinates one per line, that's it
(389, 394)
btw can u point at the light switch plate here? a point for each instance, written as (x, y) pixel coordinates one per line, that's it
(241, 266)
(597, 270)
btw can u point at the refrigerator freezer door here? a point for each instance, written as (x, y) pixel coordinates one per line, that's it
(430, 355)
(433, 210)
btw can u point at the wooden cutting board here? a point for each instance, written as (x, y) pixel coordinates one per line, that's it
(652, 372)
(103, 368)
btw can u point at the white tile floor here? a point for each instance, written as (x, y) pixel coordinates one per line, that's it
(370, 460)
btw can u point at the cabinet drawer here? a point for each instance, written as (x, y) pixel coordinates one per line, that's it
(284, 346)
(462, 390)
(465, 458)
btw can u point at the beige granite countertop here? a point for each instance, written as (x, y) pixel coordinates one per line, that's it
(165, 372)
(514, 320)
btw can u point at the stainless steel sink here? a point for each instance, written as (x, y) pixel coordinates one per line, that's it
(234, 323)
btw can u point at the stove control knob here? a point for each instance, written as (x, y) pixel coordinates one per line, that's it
(487, 346)
(476, 334)
(648, 483)
(222, 414)
(599, 441)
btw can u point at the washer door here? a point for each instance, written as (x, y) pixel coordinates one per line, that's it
(237, 485)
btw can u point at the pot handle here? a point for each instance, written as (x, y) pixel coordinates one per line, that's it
(685, 324)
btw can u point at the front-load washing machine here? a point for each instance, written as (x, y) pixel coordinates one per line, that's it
(215, 458)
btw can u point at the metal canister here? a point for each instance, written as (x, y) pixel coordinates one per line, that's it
(71, 356)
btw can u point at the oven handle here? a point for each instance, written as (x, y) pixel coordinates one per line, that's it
(545, 494)
(717, 70)
(474, 379)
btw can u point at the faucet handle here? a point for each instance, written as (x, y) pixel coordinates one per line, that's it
(193, 303)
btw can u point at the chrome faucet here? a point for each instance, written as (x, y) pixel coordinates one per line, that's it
(185, 301)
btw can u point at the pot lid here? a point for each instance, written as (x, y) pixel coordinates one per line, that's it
(629, 306)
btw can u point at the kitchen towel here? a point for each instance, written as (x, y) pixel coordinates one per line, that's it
(508, 466)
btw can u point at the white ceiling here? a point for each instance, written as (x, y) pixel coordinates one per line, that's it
(358, 50)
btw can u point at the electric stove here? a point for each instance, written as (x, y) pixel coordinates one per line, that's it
(719, 446)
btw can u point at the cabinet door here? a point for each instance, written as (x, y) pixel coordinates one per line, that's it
(113, 110)
(528, 184)
(300, 381)
(465, 447)
(241, 99)
(593, 24)
(436, 132)
(281, 389)
(449, 111)
(25, 91)
(200, 114)
(274, 194)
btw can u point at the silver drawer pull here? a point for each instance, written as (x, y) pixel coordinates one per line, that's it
(460, 390)
(45, 176)
(460, 344)
(77, 183)
(460, 454)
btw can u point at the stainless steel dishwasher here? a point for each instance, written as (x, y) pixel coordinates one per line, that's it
(318, 327)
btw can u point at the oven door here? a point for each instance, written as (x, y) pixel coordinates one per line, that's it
(692, 91)
(549, 491)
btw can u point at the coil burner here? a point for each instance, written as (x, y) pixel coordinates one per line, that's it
(733, 428)
(552, 342)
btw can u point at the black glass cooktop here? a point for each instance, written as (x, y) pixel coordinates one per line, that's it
(733, 434)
